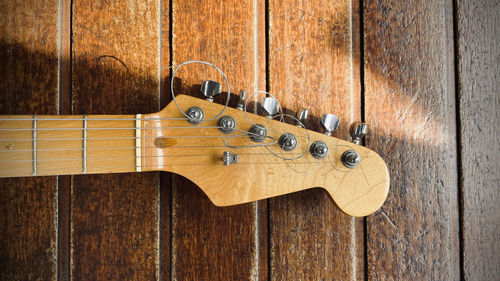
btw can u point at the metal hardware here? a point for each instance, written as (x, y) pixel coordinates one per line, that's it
(241, 102)
(302, 116)
(350, 159)
(84, 164)
(229, 158)
(210, 89)
(288, 142)
(258, 133)
(270, 106)
(138, 143)
(195, 115)
(226, 124)
(357, 131)
(330, 123)
(35, 117)
(319, 149)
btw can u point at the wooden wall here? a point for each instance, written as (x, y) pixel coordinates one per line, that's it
(423, 74)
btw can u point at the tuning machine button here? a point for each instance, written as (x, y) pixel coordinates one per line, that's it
(241, 102)
(302, 117)
(195, 114)
(210, 89)
(270, 106)
(330, 123)
(357, 131)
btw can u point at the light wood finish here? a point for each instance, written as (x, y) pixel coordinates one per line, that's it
(196, 153)
(478, 24)
(110, 145)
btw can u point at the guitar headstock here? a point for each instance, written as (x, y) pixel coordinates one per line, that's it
(244, 164)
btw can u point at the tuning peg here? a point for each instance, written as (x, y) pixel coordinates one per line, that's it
(330, 123)
(270, 106)
(302, 117)
(210, 89)
(357, 131)
(241, 102)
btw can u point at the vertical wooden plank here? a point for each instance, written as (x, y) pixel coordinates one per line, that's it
(478, 73)
(28, 84)
(64, 182)
(114, 218)
(311, 65)
(165, 234)
(410, 105)
(211, 243)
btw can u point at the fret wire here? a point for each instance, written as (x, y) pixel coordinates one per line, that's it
(84, 164)
(34, 145)
(138, 142)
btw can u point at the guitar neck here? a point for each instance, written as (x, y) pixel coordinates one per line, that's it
(59, 145)
(231, 167)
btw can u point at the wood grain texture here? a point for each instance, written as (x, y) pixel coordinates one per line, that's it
(114, 218)
(195, 152)
(478, 76)
(410, 105)
(108, 145)
(212, 243)
(28, 84)
(311, 65)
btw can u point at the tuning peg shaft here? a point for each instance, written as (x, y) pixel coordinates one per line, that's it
(210, 89)
(357, 131)
(330, 123)
(302, 117)
(241, 102)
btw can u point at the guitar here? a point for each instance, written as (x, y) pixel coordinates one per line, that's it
(232, 155)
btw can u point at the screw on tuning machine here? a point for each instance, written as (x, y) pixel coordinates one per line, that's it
(241, 102)
(357, 131)
(195, 114)
(258, 133)
(330, 123)
(302, 117)
(350, 159)
(210, 89)
(288, 141)
(319, 149)
(270, 106)
(226, 124)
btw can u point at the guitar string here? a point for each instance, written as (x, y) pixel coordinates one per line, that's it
(77, 170)
(133, 157)
(155, 128)
(125, 157)
(155, 119)
(225, 145)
